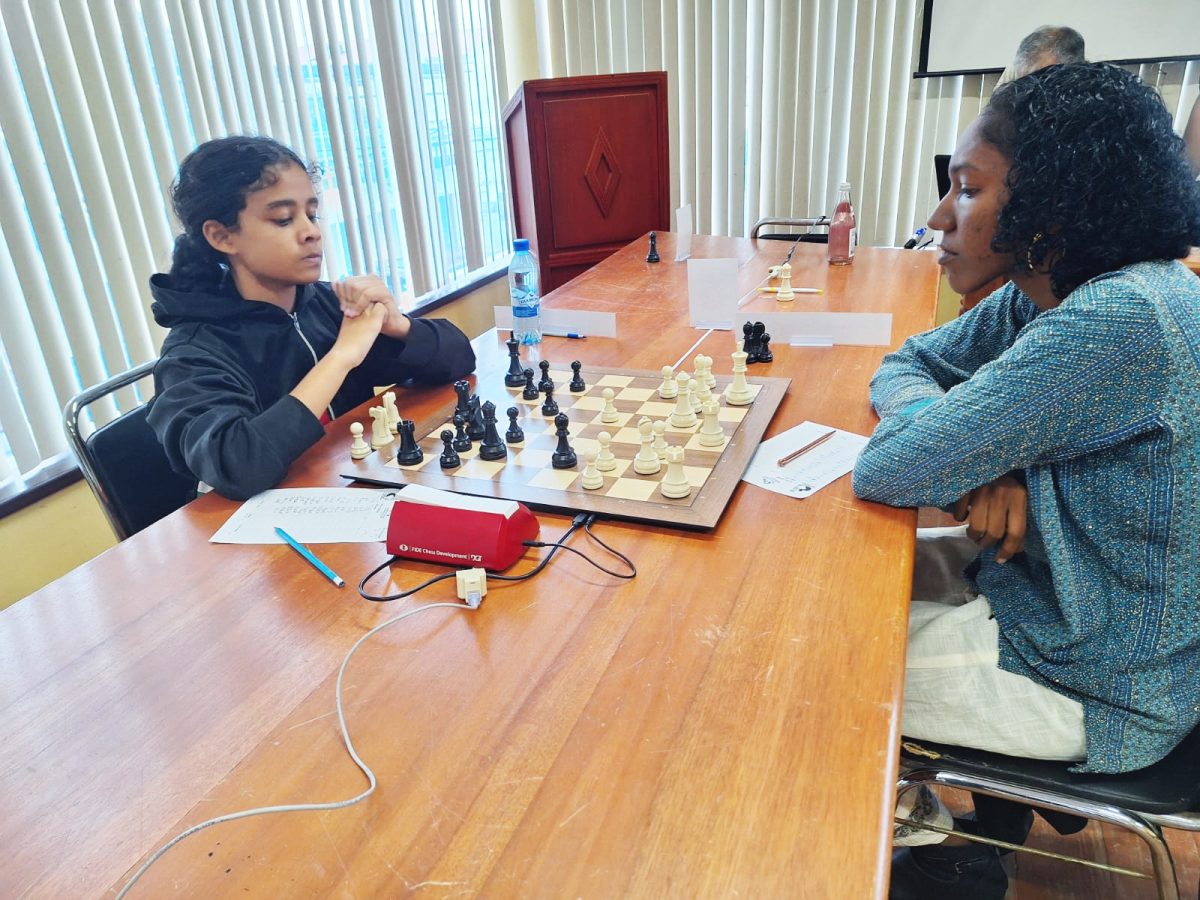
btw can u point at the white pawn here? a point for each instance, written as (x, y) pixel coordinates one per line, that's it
(592, 479)
(605, 460)
(646, 462)
(359, 449)
(675, 484)
(708, 377)
(738, 393)
(711, 434)
(393, 414)
(381, 435)
(660, 439)
(683, 416)
(667, 390)
(609, 414)
(694, 394)
(704, 394)
(785, 292)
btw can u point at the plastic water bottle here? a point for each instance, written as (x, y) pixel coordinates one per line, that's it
(523, 288)
(843, 231)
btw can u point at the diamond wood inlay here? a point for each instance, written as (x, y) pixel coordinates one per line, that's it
(602, 173)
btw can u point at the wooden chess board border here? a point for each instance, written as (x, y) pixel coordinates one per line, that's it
(700, 510)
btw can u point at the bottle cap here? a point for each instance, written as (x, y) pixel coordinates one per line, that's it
(520, 244)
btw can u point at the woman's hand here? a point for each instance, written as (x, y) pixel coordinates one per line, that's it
(359, 292)
(357, 335)
(995, 514)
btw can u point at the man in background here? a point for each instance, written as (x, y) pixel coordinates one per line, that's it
(1047, 46)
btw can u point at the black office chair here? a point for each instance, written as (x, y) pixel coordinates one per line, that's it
(1165, 795)
(123, 461)
(809, 237)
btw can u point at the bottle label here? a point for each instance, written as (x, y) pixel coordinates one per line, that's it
(853, 240)
(521, 311)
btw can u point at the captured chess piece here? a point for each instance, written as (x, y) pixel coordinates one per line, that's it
(549, 407)
(492, 447)
(544, 365)
(359, 449)
(531, 392)
(785, 293)
(515, 376)
(764, 349)
(514, 435)
(449, 458)
(577, 384)
(563, 456)
(652, 256)
(462, 440)
(754, 354)
(748, 339)
(410, 452)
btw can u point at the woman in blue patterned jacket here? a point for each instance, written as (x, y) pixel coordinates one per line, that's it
(1060, 418)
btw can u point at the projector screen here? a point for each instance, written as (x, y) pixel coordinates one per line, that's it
(961, 36)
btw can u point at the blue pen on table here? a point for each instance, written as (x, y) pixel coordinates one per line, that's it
(912, 241)
(308, 554)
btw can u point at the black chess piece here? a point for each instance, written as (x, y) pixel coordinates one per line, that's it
(764, 349)
(563, 457)
(514, 435)
(544, 365)
(462, 440)
(449, 458)
(492, 447)
(652, 256)
(756, 336)
(531, 391)
(475, 420)
(549, 407)
(409, 453)
(748, 340)
(577, 384)
(463, 406)
(515, 376)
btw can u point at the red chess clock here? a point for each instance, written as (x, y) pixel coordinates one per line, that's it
(460, 537)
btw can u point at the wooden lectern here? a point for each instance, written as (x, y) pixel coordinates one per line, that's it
(588, 158)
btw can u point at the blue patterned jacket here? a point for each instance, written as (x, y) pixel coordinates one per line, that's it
(1097, 402)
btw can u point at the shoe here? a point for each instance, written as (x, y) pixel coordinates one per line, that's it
(938, 872)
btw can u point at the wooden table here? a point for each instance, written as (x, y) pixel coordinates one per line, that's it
(724, 725)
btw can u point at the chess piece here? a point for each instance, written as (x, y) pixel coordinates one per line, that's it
(514, 435)
(683, 416)
(738, 393)
(563, 456)
(492, 447)
(660, 439)
(544, 365)
(756, 336)
(694, 394)
(667, 390)
(462, 440)
(764, 349)
(475, 420)
(577, 385)
(530, 392)
(449, 458)
(652, 256)
(711, 433)
(515, 376)
(393, 414)
(549, 407)
(592, 479)
(785, 292)
(359, 449)
(646, 462)
(409, 453)
(675, 484)
(609, 415)
(748, 338)
(462, 408)
(381, 435)
(703, 392)
(606, 461)
(704, 370)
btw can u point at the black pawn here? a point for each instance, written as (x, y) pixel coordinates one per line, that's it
(652, 256)
(563, 457)
(462, 440)
(577, 384)
(531, 391)
(764, 349)
(549, 407)
(514, 435)
(544, 365)
(449, 458)
(475, 420)
(515, 377)
(463, 406)
(492, 447)
(409, 453)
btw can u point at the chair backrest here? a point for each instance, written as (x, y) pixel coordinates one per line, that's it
(123, 461)
(811, 237)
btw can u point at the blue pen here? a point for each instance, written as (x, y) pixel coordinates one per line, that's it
(576, 337)
(308, 554)
(912, 241)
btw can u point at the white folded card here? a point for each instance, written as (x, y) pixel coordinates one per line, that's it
(565, 322)
(712, 292)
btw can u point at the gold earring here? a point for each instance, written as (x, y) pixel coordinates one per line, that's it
(1029, 253)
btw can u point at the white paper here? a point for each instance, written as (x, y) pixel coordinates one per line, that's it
(562, 322)
(823, 329)
(311, 516)
(712, 292)
(810, 471)
(683, 232)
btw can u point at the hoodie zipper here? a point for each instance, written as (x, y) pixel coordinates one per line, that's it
(296, 321)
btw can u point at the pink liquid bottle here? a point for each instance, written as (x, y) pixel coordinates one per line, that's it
(843, 235)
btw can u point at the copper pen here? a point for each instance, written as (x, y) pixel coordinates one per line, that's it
(822, 439)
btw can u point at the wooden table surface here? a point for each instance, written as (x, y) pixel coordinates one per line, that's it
(724, 725)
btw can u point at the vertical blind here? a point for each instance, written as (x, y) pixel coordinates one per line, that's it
(773, 102)
(397, 101)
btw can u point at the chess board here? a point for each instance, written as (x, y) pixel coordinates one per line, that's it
(527, 475)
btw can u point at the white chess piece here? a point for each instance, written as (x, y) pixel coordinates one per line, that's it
(609, 414)
(738, 393)
(660, 439)
(704, 394)
(592, 479)
(667, 390)
(683, 416)
(381, 435)
(675, 484)
(694, 394)
(646, 462)
(709, 378)
(605, 460)
(359, 449)
(785, 292)
(393, 414)
(711, 433)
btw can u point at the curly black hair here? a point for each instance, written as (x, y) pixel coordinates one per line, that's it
(1099, 179)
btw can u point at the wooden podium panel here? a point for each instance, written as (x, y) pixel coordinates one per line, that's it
(588, 158)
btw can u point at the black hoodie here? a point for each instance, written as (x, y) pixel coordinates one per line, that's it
(222, 406)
